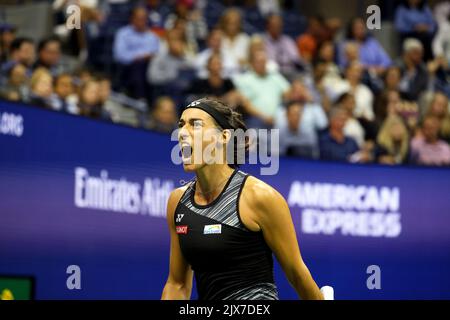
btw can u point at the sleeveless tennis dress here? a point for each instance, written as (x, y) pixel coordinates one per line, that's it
(230, 262)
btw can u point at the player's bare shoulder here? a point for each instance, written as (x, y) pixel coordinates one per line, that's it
(174, 198)
(260, 192)
(258, 201)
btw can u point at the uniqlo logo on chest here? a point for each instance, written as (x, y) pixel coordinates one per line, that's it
(182, 229)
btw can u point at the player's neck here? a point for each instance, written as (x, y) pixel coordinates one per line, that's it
(211, 179)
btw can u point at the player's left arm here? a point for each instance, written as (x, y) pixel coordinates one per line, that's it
(271, 213)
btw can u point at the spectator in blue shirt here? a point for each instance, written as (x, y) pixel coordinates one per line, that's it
(134, 46)
(334, 145)
(299, 124)
(414, 19)
(372, 55)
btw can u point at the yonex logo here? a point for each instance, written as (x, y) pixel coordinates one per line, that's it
(179, 217)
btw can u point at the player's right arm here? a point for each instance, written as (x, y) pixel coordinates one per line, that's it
(179, 282)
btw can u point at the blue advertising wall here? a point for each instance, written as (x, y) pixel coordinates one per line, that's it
(55, 212)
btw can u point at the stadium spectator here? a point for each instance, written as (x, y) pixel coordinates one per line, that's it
(235, 42)
(229, 67)
(439, 75)
(351, 53)
(439, 108)
(414, 75)
(414, 19)
(195, 27)
(387, 103)
(74, 39)
(326, 55)
(15, 88)
(164, 116)
(264, 90)
(371, 54)
(392, 145)
(334, 145)
(392, 78)
(427, 148)
(281, 48)
(89, 101)
(215, 85)
(441, 41)
(309, 42)
(257, 44)
(65, 93)
(22, 51)
(49, 56)
(134, 47)
(171, 72)
(41, 94)
(190, 45)
(352, 128)
(299, 123)
(7, 36)
(363, 96)
(158, 11)
(320, 86)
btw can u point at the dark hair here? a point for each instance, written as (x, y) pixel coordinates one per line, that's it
(43, 43)
(133, 11)
(349, 32)
(270, 16)
(236, 122)
(17, 43)
(420, 5)
(342, 98)
(289, 104)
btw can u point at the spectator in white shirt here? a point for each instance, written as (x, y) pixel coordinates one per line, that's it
(235, 43)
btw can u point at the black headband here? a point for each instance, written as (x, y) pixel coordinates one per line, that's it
(220, 118)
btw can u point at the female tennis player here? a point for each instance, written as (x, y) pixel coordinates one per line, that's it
(225, 224)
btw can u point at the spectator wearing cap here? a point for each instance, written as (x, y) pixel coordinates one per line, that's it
(134, 46)
(414, 19)
(414, 75)
(281, 47)
(299, 123)
(334, 144)
(427, 148)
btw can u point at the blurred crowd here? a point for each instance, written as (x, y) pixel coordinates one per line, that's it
(330, 88)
